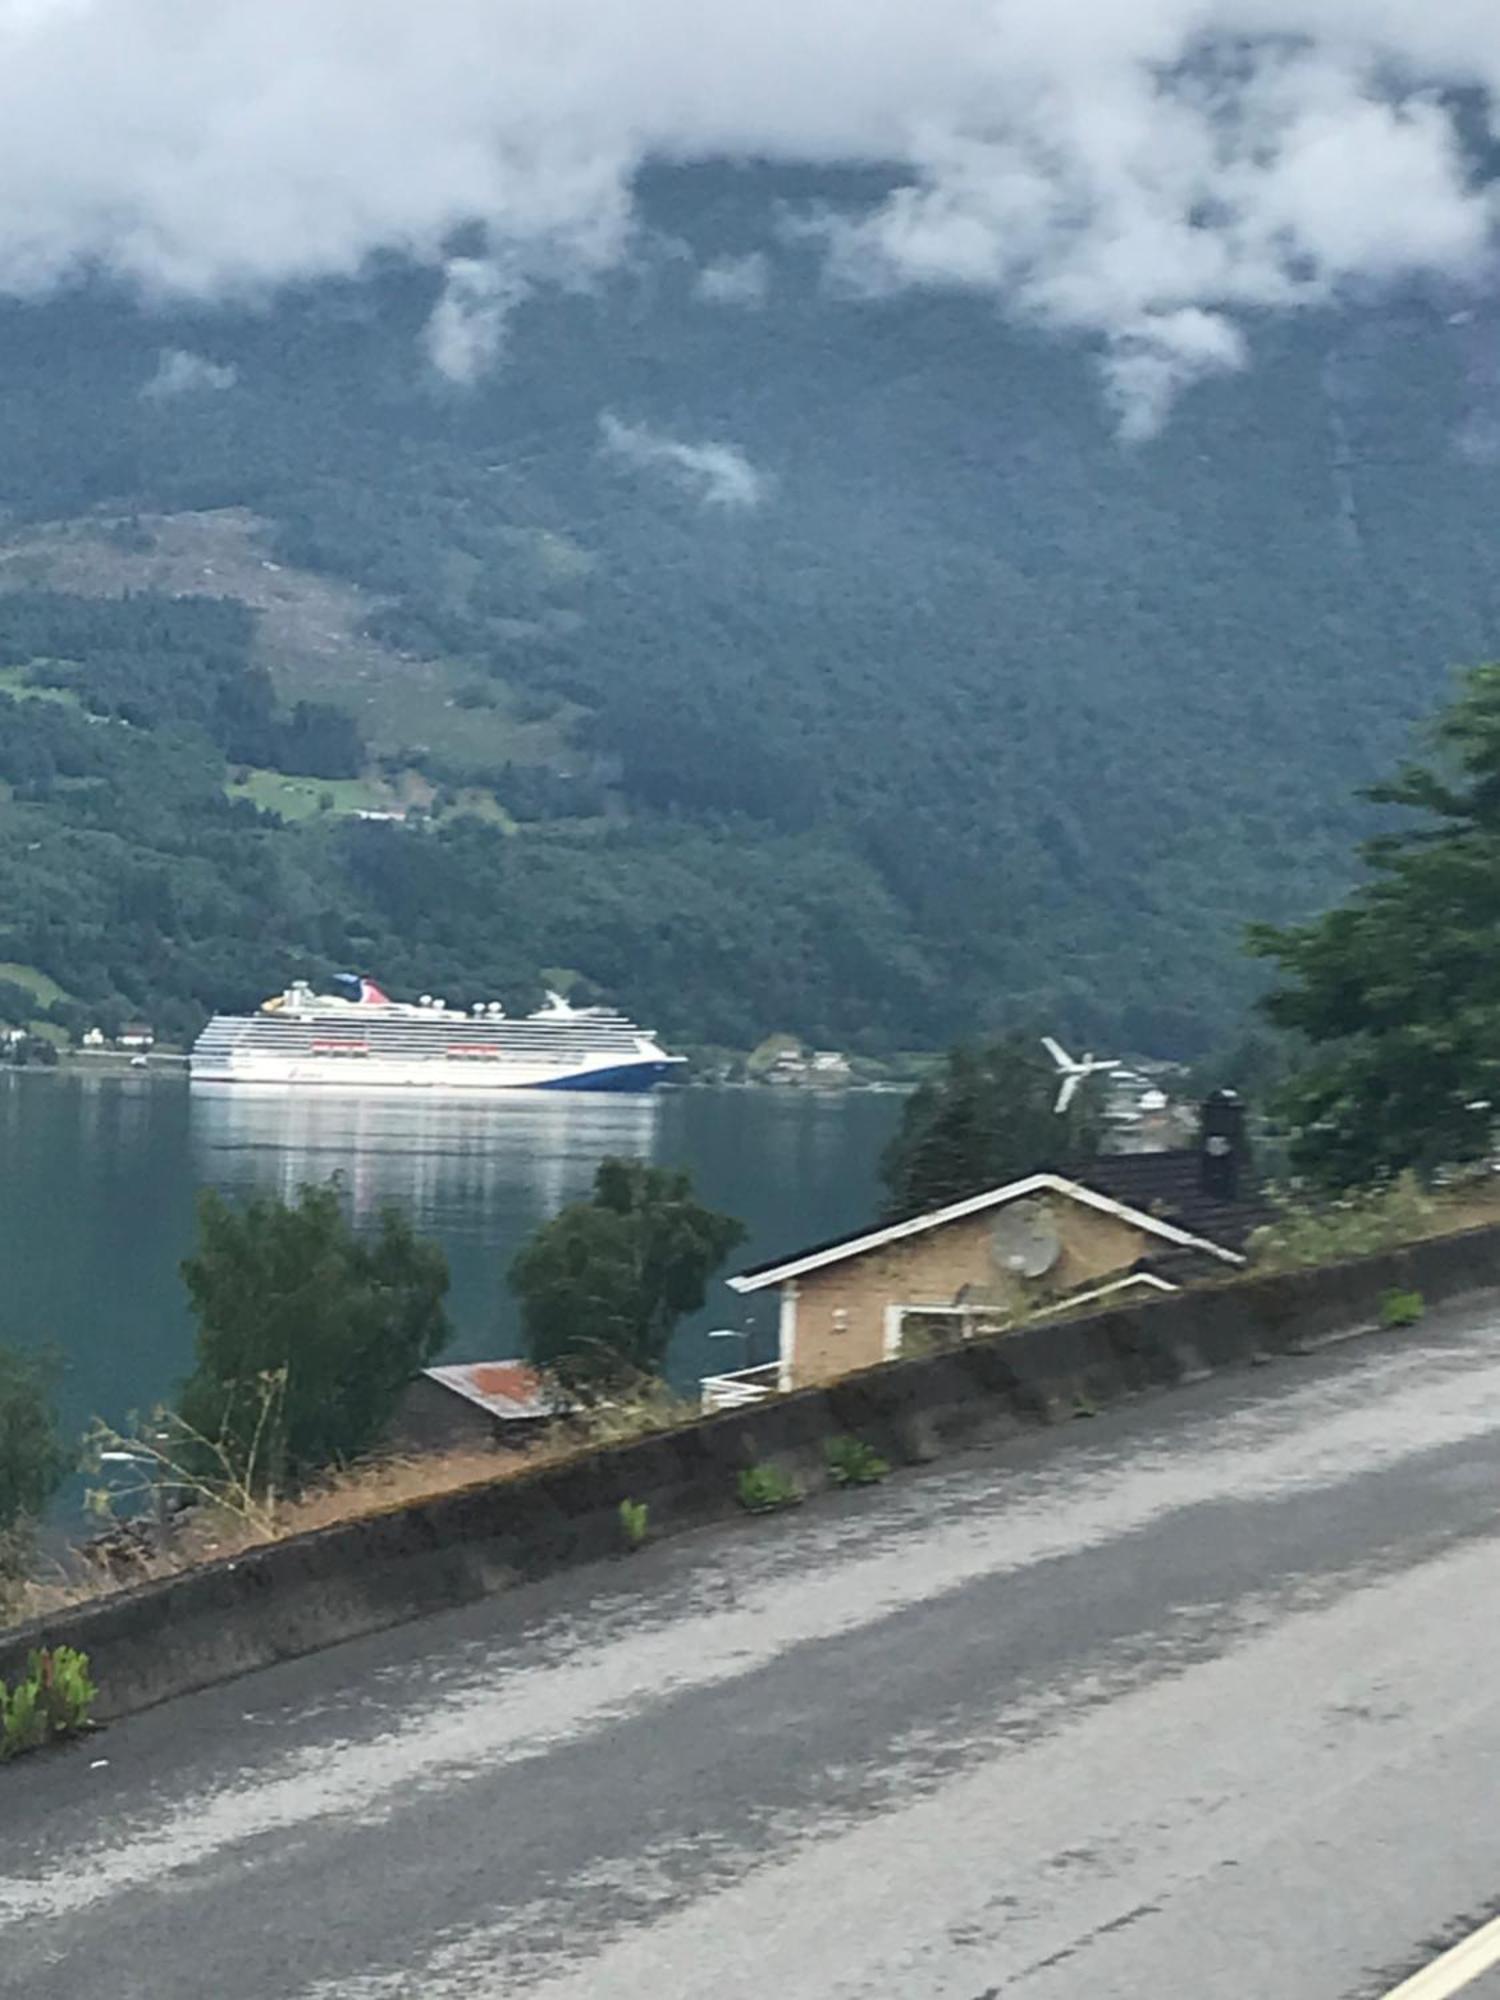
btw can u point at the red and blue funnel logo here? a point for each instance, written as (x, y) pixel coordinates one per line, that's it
(352, 986)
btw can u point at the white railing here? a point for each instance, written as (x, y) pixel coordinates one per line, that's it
(743, 1387)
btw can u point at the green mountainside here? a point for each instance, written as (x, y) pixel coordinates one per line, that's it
(919, 705)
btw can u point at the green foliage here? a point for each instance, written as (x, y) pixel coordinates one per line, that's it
(173, 662)
(290, 1290)
(1401, 1308)
(1356, 1224)
(604, 1283)
(766, 1489)
(852, 1462)
(168, 1463)
(986, 1118)
(635, 1409)
(635, 1518)
(1398, 990)
(33, 1461)
(53, 1700)
(978, 718)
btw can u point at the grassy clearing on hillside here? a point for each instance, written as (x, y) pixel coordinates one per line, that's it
(46, 990)
(304, 798)
(312, 633)
(13, 682)
(404, 704)
(483, 805)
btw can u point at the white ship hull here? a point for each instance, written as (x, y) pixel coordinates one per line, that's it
(433, 1073)
(360, 1040)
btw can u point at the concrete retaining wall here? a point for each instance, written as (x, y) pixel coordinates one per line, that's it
(314, 1590)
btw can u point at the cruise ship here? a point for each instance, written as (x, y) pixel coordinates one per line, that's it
(357, 1036)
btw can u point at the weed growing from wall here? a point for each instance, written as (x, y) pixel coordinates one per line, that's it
(53, 1699)
(766, 1489)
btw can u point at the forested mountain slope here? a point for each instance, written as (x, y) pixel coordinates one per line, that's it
(776, 659)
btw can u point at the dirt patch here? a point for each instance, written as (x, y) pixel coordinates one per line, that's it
(311, 630)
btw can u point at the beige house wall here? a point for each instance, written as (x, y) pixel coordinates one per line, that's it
(834, 1320)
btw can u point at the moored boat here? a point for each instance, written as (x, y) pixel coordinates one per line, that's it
(357, 1036)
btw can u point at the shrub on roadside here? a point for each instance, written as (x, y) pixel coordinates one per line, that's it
(766, 1489)
(852, 1462)
(33, 1461)
(635, 1410)
(1354, 1225)
(635, 1517)
(171, 1467)
(53, 1699)
(1399, 1308)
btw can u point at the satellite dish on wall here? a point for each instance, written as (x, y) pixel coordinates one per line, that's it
(1024, 1240)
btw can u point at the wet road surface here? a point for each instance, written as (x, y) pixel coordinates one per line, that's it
(1198, 1698)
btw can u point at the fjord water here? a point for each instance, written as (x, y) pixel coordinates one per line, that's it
(100, 1173)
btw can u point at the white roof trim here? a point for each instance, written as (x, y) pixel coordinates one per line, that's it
(1126, 1284)
(976, 1204)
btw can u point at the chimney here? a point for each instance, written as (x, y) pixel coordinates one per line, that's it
(1223, 1150)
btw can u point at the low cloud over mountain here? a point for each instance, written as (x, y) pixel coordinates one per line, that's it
(1148, 177)
(718, 474)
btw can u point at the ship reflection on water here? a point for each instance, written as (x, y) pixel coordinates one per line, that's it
(99, 1174)
(459, 1165)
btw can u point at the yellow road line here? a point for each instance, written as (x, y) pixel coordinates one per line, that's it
(1455, 1970)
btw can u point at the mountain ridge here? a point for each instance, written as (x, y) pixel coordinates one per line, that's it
(857, 605)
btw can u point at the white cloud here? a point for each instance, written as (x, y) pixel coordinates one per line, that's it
(467, 329)
(1146, 174)
(718, 474)
(179, 373)
(735, 281)
(1146, 367)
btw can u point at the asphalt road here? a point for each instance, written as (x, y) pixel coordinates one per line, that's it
(1196, 1699)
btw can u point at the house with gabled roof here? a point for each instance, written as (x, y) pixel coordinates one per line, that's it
(1044, 1243)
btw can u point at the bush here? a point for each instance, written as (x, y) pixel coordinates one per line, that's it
(766, 1489)
(1357, 1225)
(55, 1699)
(634, 1522)
(289, 1292)
(172, 1467)
(604, 1283)
(987, 1117)
(635, 1410)
(1398, 1308)
(32, 1459)
(851, 1462)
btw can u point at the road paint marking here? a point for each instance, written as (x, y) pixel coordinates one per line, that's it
(1456, 1969)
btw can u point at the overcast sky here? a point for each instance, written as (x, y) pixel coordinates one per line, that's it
(1145, 173)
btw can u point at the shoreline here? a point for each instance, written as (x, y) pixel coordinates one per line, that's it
(173, 1064)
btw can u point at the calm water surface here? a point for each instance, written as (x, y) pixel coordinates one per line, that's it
(98, 1176)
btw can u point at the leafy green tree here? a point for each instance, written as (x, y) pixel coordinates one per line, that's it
(1398, 989)
(291, 1290)
(33, 1460)
(989, 1116)
(604, 1283)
